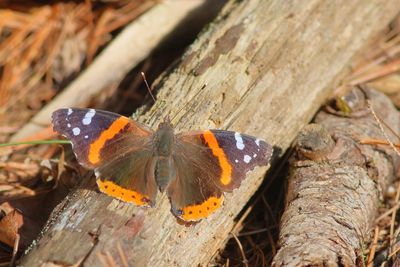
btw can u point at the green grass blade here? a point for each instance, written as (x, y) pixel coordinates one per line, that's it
(43, 142)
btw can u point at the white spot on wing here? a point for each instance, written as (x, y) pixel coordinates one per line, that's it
(246, 158)
(86, 136)
(239, 141)
(69, 125)
(88, 117)
(69, 111)
(76, 131)
(236, 161)
(258, 142)
(255, 155)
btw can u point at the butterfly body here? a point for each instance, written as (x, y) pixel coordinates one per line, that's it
(164, 139)
(132, 162)
(164, 143)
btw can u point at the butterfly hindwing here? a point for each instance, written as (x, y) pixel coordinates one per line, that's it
(193, 192)
(117, 148)
(130, 178)
(209, 163)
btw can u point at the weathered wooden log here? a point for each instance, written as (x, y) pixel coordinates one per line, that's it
(336, 182)
(264, 68)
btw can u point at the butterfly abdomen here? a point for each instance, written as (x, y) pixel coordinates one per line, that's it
(165, 172)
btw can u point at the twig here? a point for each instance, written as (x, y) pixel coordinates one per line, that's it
(15, 250)
(388, 212)
(102, 259)
(110, 259)
(387, 69)
(239, 223)
(394, 252)
(371, 255)
(122, 255)
(393, 219)
(381, 127)
(245, 262)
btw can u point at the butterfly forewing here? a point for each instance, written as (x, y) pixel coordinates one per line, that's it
(91, 131)
(119, 149)
(231, 154)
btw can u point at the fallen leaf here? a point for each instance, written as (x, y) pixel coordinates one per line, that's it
(9, 227)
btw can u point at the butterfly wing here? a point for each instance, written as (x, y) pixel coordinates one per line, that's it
(117, 148)
(130, 178)
(209, 163)
(99, 136)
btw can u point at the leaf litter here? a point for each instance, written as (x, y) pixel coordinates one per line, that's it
(43, 47)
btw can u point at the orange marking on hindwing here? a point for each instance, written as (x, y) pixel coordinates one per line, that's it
(217, 151)
(111, 132)
(111, 189)
(203, 210)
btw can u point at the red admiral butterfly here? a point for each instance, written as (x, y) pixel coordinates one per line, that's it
(132, 162)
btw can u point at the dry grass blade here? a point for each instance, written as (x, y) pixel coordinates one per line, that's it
(238, 226)
(394, 252)
(393, 219)
(15, 250)
(380, 124)
(382, 71)
(107, 259)
(371, 255)
(42, 46)
(382, 58)
(368, 141)
(103, 259)
(15, 191)
(245, 262)
(122, 255)
(110, 260)
(387, 213)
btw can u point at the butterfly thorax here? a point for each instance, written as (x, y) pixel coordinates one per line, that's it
(164, 139)
(164, 142)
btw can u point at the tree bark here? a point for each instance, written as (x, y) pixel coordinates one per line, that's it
(336, 182)
(263, 68)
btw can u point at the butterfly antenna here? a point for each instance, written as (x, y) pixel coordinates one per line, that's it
(147, 85)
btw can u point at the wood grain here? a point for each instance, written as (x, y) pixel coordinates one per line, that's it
(263, 68)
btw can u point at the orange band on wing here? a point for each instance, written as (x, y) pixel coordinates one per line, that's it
(217, 151)
(113, 130)
(114, 190)
(197, 212)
